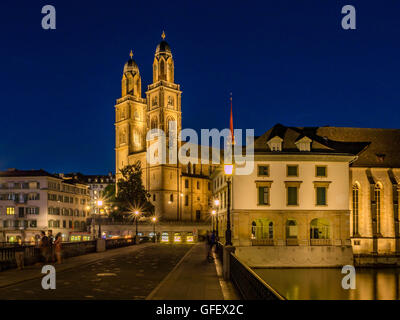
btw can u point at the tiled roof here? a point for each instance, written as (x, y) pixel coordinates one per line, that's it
(319, 144)
(383, 150)
(26, 173)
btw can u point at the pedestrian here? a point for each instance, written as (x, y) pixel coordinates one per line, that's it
(57, 247)
(19, 255)
(213, 240)
(51, 245)
(209, 245)
(44, 247)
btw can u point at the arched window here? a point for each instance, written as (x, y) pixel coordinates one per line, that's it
(253, 230)
(320, 229)
(77, 225)
(262, 229)
(162, 70)
(154, 123)
(356, 194)
(170, 125)
(378, 189)
(291, 229)
(83, 225)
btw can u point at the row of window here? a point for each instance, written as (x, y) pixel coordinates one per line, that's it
(65, 188)
(20, 185)
(22, 211)
(292, 194)
(66, 212)
(292, 170)
(197, 185)
(20, 223)
(264, 229)
(66, 224)
(65, 199)
(171, 199)
(377, 208)
(20, 197)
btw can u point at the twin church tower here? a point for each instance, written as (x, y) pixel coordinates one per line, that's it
(178, 192)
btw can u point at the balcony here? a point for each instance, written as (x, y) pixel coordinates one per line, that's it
(320, 242)
(262, 242)
(292, 242)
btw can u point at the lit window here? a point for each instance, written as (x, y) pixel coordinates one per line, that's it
(378, 207)
(355, 209)
(10, 210)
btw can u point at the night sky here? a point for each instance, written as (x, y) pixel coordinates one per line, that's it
(286, 62)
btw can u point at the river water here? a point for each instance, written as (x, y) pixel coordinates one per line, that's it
(326, 283)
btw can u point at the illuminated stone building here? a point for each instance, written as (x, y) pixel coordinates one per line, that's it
(178, 192)
(374, 193)
(317, 190)
(35, 200)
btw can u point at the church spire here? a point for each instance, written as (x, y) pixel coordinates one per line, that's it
(131, 54)
(163, 35)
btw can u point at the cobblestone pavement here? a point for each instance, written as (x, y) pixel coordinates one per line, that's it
(126, 276)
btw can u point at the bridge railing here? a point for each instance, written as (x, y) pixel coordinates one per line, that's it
(32, 253)
(73, 249)
(248, 283)
(119, 242)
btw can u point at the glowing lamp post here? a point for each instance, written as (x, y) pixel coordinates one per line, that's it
(154, 219)
(99, 205)
(216, 203)
(136, 220)
(213, 212)
(228, 169)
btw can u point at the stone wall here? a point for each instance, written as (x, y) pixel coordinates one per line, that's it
(296, 256)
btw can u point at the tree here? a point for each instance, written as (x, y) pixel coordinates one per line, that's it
(131, 193)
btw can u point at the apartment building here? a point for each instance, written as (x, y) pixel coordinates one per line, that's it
(35, 200)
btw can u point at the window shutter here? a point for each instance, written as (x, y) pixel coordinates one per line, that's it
(321, 196)
(292, 195)
(261, 195)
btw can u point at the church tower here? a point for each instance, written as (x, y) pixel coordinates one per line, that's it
(163, 106)
(130, 117)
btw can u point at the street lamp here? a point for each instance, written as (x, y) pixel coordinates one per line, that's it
(228, 169)
(216, 203)
(136, 212)
(154, 219)
(99, 204)
(213, 212)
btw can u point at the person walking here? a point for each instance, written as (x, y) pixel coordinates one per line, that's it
(58, 247)
(19, 255)
(209, 244)
(44, 247)
(51, 245)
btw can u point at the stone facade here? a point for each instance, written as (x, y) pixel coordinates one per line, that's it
(178, 192)
(34, 200)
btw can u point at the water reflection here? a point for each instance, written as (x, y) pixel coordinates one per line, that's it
(326, 284)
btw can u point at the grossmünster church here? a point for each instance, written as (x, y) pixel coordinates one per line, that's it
(178, 192)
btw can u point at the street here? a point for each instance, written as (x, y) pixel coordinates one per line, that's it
(126, 276)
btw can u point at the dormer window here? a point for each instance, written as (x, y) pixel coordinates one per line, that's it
(275, 144)
(304, 144)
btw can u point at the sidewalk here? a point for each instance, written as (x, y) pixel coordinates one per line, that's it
(14, 276)
(194, 278)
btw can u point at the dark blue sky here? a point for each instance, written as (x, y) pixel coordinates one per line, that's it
(285, 61)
